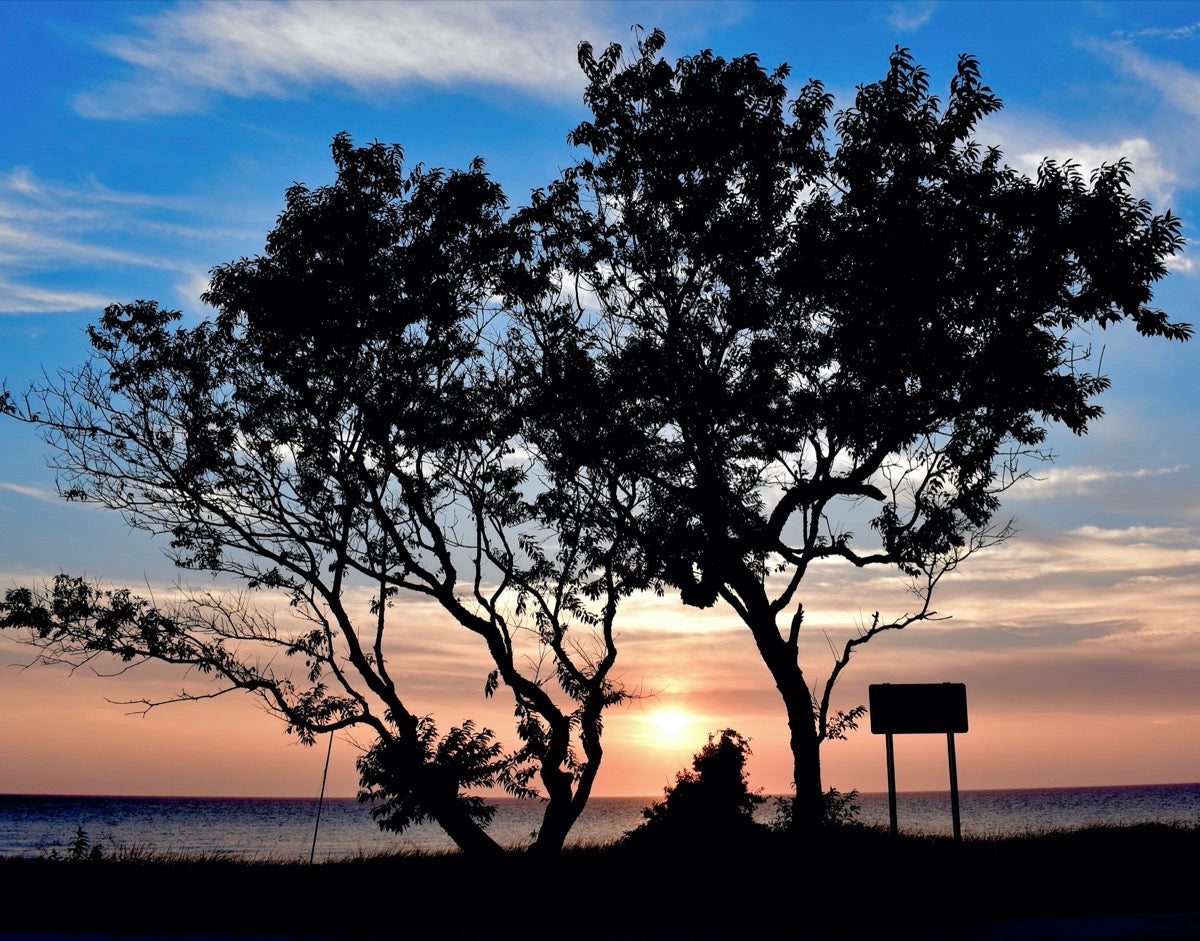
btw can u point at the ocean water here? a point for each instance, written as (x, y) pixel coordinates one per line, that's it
(258, 828)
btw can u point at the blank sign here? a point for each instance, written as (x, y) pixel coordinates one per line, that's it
(918, 708)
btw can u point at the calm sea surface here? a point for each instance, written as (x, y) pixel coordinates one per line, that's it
(257, 828)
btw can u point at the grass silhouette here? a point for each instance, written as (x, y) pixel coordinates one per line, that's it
(852, 882)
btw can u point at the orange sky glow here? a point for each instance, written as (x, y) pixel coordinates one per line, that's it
(1069, 683)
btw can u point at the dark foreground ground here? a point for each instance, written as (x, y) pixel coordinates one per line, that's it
(1107, 883)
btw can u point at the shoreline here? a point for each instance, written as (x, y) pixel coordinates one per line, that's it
(284, 828)
(505, 798)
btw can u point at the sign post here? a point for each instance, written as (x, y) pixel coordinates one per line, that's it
(916, 709)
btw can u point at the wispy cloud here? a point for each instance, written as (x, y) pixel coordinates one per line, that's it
(29, 299)
(1079, 480)
(62, 244)
(25, 196)
(1179, 85)
(1159, 32)
(1058, 569)
(910, 16)
(1138, 534)
(185, 55)
(20, 244)
(36, 493)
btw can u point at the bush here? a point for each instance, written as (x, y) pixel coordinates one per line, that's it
(841, 809)
(712, 802)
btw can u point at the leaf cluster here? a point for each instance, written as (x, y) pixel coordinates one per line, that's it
(408, 780)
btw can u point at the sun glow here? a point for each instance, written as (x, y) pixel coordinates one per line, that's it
(670, 727)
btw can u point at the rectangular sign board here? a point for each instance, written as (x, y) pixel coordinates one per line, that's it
(917, 708)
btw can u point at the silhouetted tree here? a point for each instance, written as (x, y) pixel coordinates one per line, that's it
(344, 429)
(775, 333)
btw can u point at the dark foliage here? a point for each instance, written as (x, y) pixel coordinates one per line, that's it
(841, 809)
(390, 770)
(711, 804)
(80, 849)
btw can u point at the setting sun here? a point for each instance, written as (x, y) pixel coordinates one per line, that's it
(670, 726)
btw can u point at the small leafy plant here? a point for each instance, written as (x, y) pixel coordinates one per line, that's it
(841, 809)
(80, 849)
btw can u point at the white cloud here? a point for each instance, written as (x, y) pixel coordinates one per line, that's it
(1158, 140)
(28, 299)
(192, 286)
(1082, 479)
(82, 237)
(1160, 32)
(910, 15)
(1181, 263)
(186, 54)
(1150, 174)
(37, 493)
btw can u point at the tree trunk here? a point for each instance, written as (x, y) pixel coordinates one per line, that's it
(559, 816)
(561, 810)
(809, 807)
(564, 806)
(466, 833)
(781, 659)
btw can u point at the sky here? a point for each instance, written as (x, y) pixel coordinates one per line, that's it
(146, 143)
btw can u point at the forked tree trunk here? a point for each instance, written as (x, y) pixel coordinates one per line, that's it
(567, 803)
(559, 815)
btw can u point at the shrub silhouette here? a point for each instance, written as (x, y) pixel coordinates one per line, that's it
(712, 803)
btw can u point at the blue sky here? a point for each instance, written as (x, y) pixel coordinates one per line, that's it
(146, 143)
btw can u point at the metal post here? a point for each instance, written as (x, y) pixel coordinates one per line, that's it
(953, 786)
(891, 772)
(321, 802)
